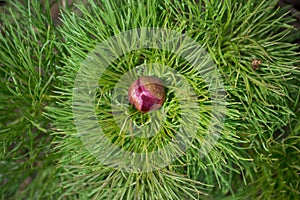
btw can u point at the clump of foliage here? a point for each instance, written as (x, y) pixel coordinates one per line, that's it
(29, 53)
(251, 44)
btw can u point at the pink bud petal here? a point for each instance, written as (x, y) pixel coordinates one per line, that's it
(147, 93)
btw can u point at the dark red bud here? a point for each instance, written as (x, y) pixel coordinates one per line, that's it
(147, 93)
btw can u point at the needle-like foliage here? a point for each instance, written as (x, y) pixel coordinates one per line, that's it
(259, 95)
(28, 54)
(254, 156)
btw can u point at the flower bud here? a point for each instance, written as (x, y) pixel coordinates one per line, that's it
(147, 93)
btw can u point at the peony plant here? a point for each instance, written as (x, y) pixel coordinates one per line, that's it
(90, 110)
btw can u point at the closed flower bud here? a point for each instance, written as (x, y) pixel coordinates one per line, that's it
(147, 93)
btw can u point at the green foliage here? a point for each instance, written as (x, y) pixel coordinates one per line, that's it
(257, 153)
(28, 54)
